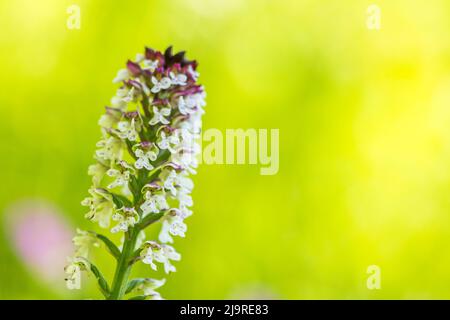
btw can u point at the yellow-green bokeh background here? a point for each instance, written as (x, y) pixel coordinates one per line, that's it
(364, 119)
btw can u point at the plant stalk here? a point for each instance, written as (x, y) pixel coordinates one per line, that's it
(123, 267)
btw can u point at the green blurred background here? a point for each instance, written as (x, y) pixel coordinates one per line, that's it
(364, 119)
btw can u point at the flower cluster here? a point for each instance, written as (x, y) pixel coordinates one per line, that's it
(144, 159)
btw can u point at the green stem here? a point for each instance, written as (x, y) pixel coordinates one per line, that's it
(123, 266)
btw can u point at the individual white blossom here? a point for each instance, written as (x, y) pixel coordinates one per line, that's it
(178, 79)
(83, 242)
(172, 226)
(122, 75)
(169, 142)
(128, 130)
(148, 287)
(184, 198)
(121, 177)
(149, 65)
(73, 272)
(143, 160)
(194, 74)
(170, 181)
(162, 84)
(119, 101)
(154, 203)
(185, 159)
(125, 218)
(97, 171)
(154, 252)
(145, 152)
(159, 116)
(100, 206)
(110, 148)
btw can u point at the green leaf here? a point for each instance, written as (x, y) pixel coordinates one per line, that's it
(133, 284)
(103, 284)
(110, 246)
(121, 201)
(149, 219)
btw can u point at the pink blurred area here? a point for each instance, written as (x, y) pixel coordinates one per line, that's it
(41, 238)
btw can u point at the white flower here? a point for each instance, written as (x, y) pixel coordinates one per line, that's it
(128, 130)
(143, 160)
(83, 241)
(122, 74)
(163, 84)
(170, 254)
(190, 104)
(169, 142)
(118, 100)
(73, 272)
(121, 178)
(170, 181)
(161, 253)
(149, 65)
(178, 79)
(193, 73)
(172, 226)
(185, 159)
(145, 152)
(148, 287)
(126, 218)
(154, 203)
(107, 120)
(184, 198)
(110, 149)
(178, 228)
(159, 116)
(101, 206)
(139, 57)
(97, 171)
(183, 107)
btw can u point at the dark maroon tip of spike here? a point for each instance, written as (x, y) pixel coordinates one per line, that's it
(179, 57)
(134, 68)
(168, 53)
(149, 53)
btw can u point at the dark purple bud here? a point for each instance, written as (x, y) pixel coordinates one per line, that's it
(168, 54)
(191, 90)
(149, 53)
(160, 102)
(134, 83)
(131, 114)
(134, 68)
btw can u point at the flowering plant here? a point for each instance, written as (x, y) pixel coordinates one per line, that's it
(141, 175)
